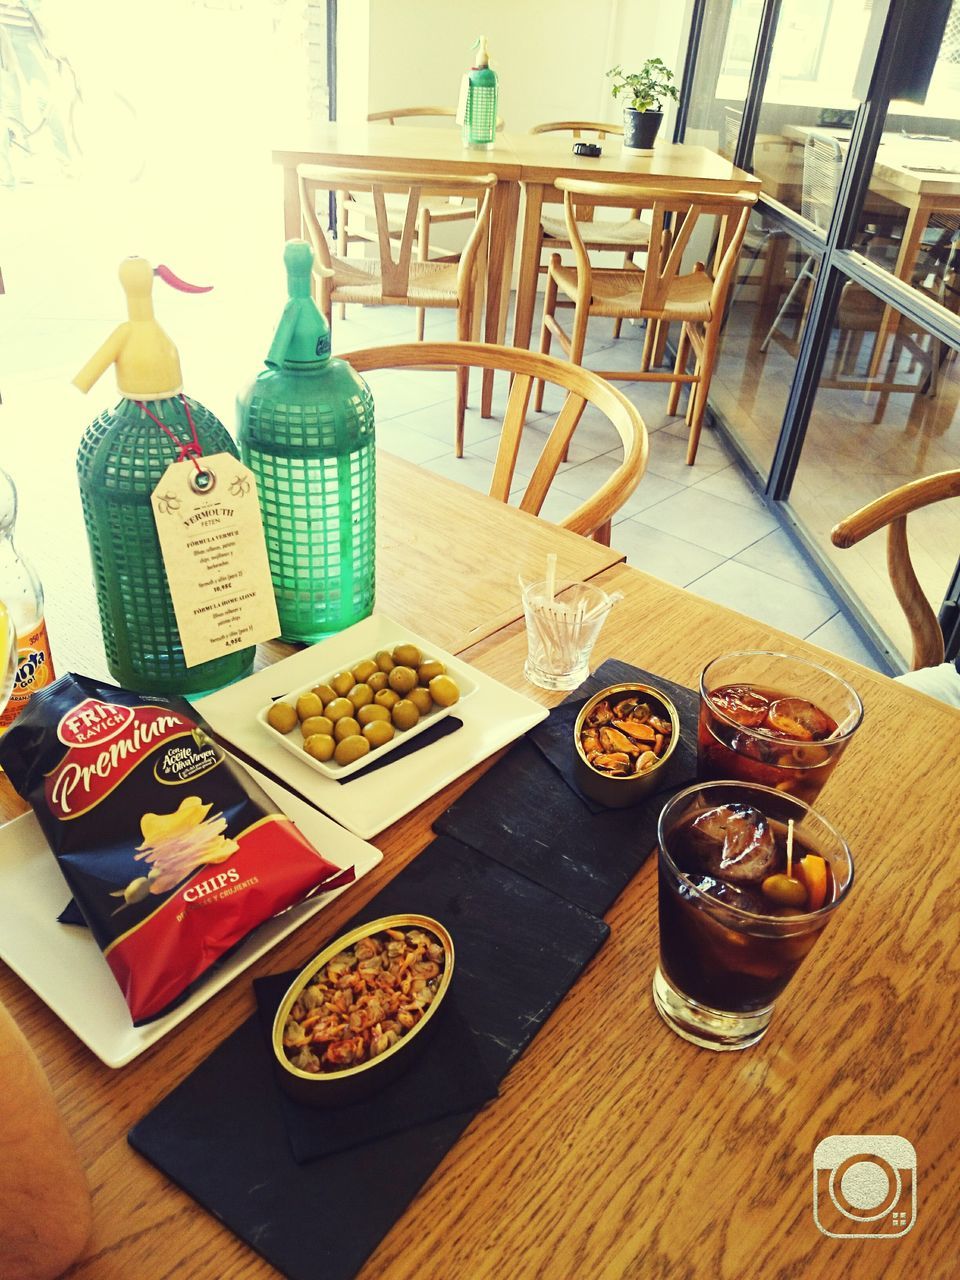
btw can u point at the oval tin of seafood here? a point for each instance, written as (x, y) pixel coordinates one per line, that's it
(607, 788)
(354, 1083)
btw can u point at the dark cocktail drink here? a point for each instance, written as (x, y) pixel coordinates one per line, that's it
(775, 720)
(748, 878)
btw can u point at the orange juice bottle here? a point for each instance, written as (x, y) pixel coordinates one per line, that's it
(21, 592)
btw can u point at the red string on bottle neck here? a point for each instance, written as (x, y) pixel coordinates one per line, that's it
(191, 449)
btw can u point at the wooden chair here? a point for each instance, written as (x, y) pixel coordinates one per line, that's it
(892, 510)
(593, 517)
(662, 292)
(399, 280)
(356, 218)
(628, 235)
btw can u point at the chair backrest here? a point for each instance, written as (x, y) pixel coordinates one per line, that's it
(579, 127)
(674, 215)
(822, 163)
(582, 386)
(418, 113)
(892, 510)
(396, 256)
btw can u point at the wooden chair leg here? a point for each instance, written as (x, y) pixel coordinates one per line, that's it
(462, 376)
(342, 241)
(423, 255)
(546, 337)
(680, 367)
(649, 342)
(577, 339)
(660, 343)
(707, 362)
(602, 535)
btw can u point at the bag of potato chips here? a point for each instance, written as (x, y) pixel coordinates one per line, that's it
(172, 851)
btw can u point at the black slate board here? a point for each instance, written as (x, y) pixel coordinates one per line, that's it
(220, 1134)
(446, 1078)
(522, 815)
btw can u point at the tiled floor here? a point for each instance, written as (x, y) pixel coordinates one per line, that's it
(701, 527)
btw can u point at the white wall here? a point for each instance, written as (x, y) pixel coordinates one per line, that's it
(551, 55)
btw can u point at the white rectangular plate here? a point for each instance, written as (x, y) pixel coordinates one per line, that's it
(492, 717)
(66, 968)
(293, 741)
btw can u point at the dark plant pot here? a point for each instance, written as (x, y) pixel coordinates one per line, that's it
(640, 128)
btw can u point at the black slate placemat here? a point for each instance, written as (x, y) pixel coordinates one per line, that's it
(447, 1076)
(220, 1134)
(554, 735)
(523, 815)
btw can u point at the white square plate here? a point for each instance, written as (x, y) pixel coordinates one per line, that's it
(293, 741)
(66, 968)
(492, 717)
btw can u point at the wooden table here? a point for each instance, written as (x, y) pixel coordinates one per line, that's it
(900, 178)
(429, 151)
(533, 161)
(615, 1149)
(433, 537)
(545, 157)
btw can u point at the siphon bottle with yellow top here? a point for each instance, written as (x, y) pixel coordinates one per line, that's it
(21, 592)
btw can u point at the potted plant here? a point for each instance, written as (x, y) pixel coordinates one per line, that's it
(645, 91)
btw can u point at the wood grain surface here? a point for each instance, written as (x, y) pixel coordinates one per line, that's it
(617, 1149)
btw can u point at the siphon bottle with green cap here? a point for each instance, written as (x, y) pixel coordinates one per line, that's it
(123, 455)
(306, 431)
(479, 95)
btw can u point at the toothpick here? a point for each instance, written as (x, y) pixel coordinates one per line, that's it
(789, 848)
(551, 582)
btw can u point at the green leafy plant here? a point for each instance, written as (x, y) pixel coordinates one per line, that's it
(647, 88)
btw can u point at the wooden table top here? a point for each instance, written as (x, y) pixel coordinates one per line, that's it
(433, 536)
(529, 157)
(900, 160)
(616, 1149)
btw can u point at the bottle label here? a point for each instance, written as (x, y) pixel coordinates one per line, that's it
(215, 555)
(34, 671)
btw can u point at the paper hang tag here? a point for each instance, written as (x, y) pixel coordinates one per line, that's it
(462, 100)
(215, 555)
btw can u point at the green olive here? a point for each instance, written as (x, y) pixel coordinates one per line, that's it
(405, 714)
(407, 655)
(377, 732)
(785, 891)
(402, 679)
(308, 704)
(371, 712)
(338, 708)
(386, 698)
(427, 670)
(384, 661)
(377, 681)
(316, 724)
(360, 695)
(282, 717)
(351, 749)
(321, 746)
(342, 682)
(346, 727)
(421, 699)
(325, 692)
(364, 670)
(443, 691)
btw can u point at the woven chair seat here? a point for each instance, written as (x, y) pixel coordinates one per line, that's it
(624, 233)
(359, 280)
(617, 293)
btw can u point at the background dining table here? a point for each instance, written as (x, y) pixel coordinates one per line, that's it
(616, 1149)
(531, 162)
